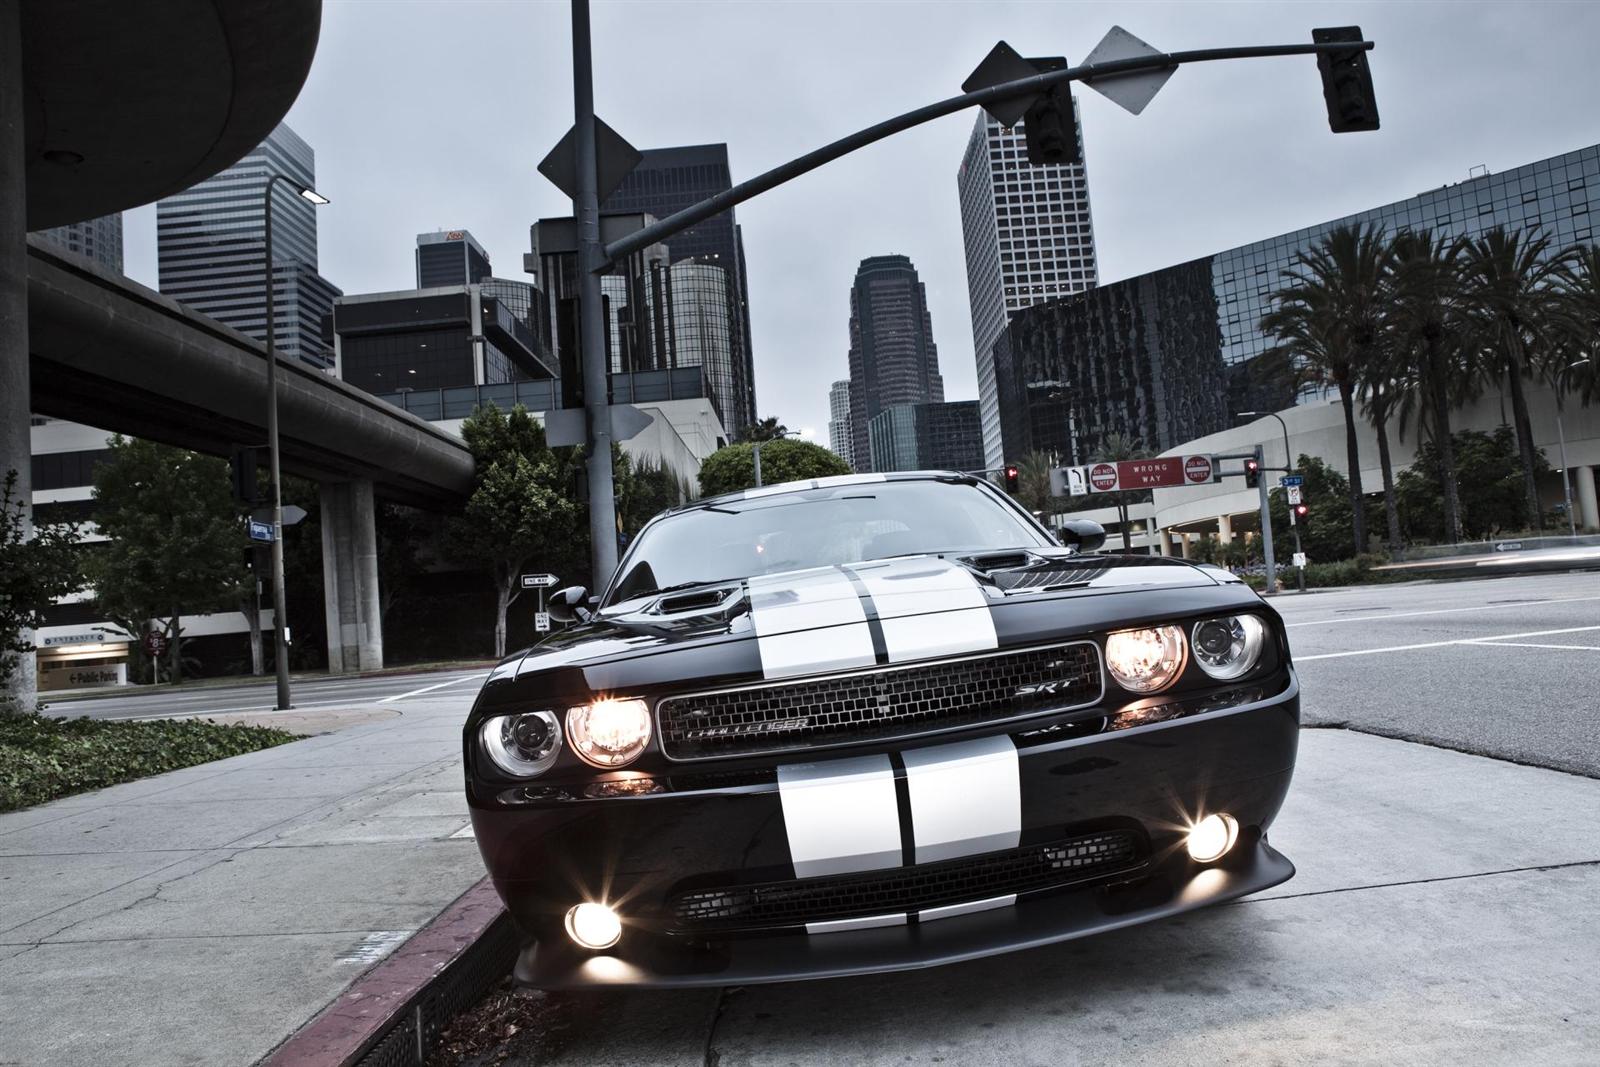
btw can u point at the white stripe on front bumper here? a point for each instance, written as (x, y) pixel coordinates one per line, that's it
(840, 816)
(950, 911)
(966, 798)
(865, 922)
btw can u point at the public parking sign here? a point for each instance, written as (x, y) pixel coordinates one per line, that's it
(260, 531)
(155, 643)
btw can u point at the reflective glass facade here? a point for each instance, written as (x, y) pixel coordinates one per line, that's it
(1028, 237)
(1165, 357)
(450, 257)
(211, 246)
(912, 437)
(840, 439)
(666, 181)
(100, 239)
(892, 356)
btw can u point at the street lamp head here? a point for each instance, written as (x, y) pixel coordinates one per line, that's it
(314, 196)
(1246, 414)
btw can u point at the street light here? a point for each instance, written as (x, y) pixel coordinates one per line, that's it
(1566, 472)
(280, 643)
(756, 450)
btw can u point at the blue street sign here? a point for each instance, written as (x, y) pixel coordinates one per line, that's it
(260, 531)
(1289, 480)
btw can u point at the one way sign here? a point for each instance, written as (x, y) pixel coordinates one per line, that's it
(539, 581)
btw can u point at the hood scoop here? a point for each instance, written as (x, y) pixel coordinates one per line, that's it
(1010, 560)
(698, 601)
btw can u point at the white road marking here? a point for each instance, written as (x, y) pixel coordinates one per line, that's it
(1529, 644)
(1441, 611)
(429, 689)
(1443, 644)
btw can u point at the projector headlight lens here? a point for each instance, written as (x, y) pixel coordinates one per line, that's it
(1229, 647)
(523, 745)
(1147, 660)
(609, 733)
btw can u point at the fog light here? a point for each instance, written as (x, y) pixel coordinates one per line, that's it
(1212, 837)
(593, 926)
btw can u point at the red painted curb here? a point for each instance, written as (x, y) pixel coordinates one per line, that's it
(348, 1026)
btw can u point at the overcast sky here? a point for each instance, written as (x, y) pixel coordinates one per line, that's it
(432, 114)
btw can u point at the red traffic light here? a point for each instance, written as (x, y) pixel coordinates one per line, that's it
(1252, 473)
(1301, 510)
(1013, 478)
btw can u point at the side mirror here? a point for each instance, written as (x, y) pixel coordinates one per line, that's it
(1082, 534)
(570, 604)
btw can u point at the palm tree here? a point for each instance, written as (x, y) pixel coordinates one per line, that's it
(1328, 322)
(1512, 284)
(1581, 327)
(766, 429)
(1423, 326)
(1034, 475)
(1118, 446)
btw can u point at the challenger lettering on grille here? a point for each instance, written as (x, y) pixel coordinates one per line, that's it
(884, 703)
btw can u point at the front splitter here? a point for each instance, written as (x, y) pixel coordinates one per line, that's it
(652, 963)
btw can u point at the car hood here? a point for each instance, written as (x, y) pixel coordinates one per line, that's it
(834, 618)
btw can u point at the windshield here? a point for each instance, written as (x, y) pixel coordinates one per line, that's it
(819, 528)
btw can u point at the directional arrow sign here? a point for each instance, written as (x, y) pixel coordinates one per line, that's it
(567, 426)
(539, 581)
(1134, 90)
(293, 513)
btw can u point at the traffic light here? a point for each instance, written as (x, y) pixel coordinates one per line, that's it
(1346, 82)
(1298, 515)
(245, 489)
(1013, 478)
(1252, 473)
(1050, 126)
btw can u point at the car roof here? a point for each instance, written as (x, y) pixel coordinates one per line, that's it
(822, 483)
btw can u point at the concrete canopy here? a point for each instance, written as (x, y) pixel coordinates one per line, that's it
(125, 103)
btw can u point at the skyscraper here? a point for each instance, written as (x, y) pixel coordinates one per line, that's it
(922, 437)
(1028, 239)
(450, 257)
(892, 356)
(100, 239)
(210, 244)
(840, 439)
(666, 181)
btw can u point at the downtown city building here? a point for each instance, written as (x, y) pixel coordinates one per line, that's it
(841, 442)
(212, 253)
(99, 239)
(927, 437)
(1168, 356)
(892, 355)
(666, 181)
(1029, 239)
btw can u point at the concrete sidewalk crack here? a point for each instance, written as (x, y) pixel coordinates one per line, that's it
(1422, 881)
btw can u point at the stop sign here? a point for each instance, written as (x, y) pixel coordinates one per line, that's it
(1197, 469)
(1103, 477)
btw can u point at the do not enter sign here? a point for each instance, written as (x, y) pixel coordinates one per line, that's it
(1103, 477)
(1197, 469)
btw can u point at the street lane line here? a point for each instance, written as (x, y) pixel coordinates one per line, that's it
(441, 685)
(1440, 611)
(1528, 644)
(1444, 644)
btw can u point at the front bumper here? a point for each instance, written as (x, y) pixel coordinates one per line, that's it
(637, 852)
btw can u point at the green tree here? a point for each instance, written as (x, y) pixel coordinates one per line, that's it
(767, 429)
(650, 488)
(521, 509)
(1328, 533)
(1033, 477)
(1424, 331)
(1492, 499)
(730, 469)
(1512, 284)
(1328, 323)
(177, 543)
(37, 567)
(1580, 327)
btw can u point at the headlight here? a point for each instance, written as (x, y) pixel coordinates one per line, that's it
(609, 733)
(1229, 647)
(522, 745)
(1145, 661)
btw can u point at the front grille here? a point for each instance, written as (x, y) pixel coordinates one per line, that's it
(1031, 868)
(878, 704)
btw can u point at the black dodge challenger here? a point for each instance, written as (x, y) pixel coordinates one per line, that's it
(869, 723)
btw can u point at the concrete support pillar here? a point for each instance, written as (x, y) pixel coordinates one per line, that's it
(1224, 528)
(350, 577)
(1583, 487)
(1163, 541)
(1183, 545)
(15, 426)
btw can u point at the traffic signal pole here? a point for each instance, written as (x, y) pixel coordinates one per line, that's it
(1266, 527)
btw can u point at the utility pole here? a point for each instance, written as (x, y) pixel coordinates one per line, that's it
(591, 324)
(1266, 526)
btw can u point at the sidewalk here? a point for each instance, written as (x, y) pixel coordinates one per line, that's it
(202, 916)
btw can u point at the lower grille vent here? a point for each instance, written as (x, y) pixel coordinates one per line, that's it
(742, 909)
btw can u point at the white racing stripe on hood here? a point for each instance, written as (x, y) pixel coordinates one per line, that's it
(808, 623)
(928, 607)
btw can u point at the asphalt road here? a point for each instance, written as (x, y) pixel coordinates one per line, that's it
(261, 697)
(1508, 667)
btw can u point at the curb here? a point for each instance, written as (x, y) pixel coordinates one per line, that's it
(392, 1014)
